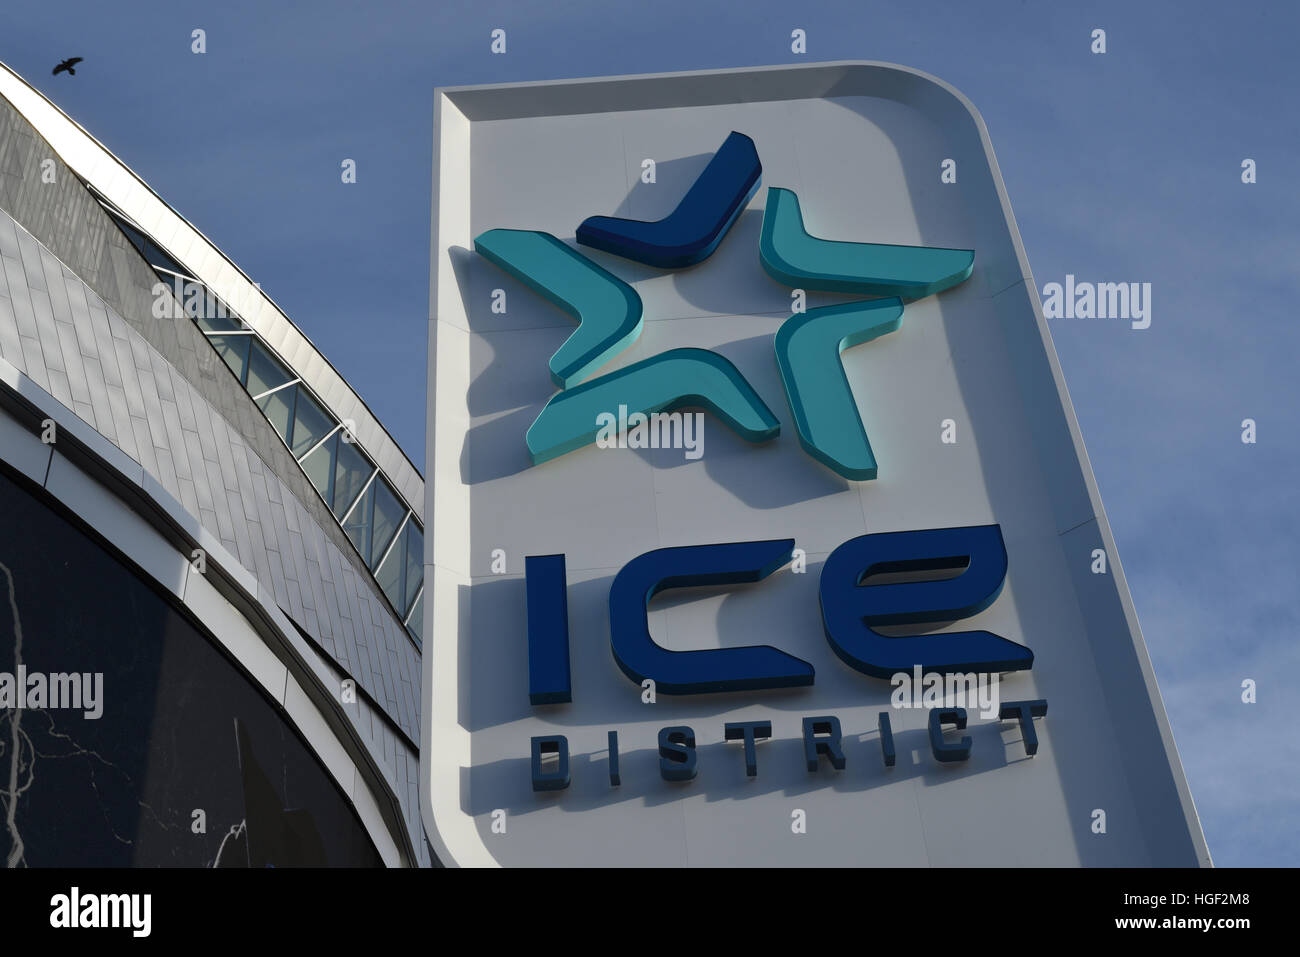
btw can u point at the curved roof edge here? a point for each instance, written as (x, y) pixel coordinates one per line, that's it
(122, 186)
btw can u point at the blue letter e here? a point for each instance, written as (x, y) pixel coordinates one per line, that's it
(852, 605)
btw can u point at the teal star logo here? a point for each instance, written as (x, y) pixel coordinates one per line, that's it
(807, 345)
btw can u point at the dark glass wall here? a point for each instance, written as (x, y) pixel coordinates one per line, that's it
(189, 764)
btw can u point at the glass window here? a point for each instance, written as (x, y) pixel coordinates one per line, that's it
(350, 474)
(278, 408)
(414, 626)
(202, 305)
(234, 350)
(147, 248)
(358, 524)
(214, 323)
(178, 725)
(389, 513)
(264, 370)
(154, 255)
(310, 423)
(389, 575)
(319, 466)
(414, 570)
(133, 235)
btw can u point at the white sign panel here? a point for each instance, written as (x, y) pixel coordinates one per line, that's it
(949, 418)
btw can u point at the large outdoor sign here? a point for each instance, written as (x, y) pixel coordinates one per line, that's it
(762, 532)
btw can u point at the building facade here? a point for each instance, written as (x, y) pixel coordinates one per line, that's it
(211, 549)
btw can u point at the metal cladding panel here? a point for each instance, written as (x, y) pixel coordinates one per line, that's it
(863, 147)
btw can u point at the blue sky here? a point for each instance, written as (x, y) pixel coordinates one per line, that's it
(1120, 167)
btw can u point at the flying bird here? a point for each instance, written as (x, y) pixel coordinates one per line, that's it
(68, 65)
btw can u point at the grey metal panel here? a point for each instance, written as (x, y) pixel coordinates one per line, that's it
(184, 401)
(73, 361)
(172, 426)
(198, 466)
(248, 509)
(327, 613)
(243, 541)
(121, 420)
(302, 597)
(269, 523)
(20, 297)
(104, 351)
(407, 688)
(203, 491)
(130, 378)
(166, 474)
(344, 591)
(49, 337)
(205, 425)
(313, 595)
(261, 555)
(358, 653)
(345, 626)
(355, 629)
(208, 432)
(102, 375)
(102, 419)
(391, 697)
(144, 447)
(56, 286)
(266, 526)
(81, 318)
(32, 362)
(149, 392)
(406, 697)
(30, 256)
(294, 561)
(8, 234)
(59, 387)
(162, 373)
(382, 686)
(11, 348)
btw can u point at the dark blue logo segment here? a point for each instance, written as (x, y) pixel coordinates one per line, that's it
(692, 231)
(548, 630)
(748, 668)
(851, 605)
(945, 751)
